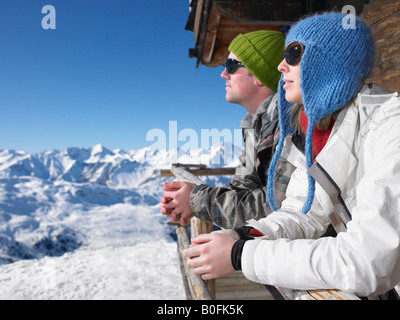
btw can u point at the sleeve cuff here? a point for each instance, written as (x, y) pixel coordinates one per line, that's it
(236, 254)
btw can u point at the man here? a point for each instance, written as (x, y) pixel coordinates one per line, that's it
(251, 77)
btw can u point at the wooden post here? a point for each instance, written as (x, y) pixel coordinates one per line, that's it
(197, 287)
(198, 226)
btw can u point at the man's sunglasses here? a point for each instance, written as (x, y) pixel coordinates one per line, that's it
(293, 53)
(231, 65)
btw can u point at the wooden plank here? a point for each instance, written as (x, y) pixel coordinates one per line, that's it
(198, 20)
(202, 172)
(383, 16)
(197, 286)
(186, 285)
(210, 36)
(236, 286)
(379, 10)
(290, 294)
(197, 227)
(265, 11)
(242, 294)
(227, 31)
(183, 175)
(231, 17)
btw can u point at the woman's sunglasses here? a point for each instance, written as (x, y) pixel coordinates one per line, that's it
(231, 65)
(293, 53)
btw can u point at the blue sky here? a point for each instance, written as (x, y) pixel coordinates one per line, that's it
(109, 73)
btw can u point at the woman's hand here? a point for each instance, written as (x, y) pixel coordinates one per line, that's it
(210, 255)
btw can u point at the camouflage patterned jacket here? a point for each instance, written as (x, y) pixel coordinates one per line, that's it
(244, 197)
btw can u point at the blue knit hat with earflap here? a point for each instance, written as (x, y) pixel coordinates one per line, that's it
(334, 64)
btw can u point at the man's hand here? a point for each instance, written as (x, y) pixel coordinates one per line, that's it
(175, 203)
(210, 255)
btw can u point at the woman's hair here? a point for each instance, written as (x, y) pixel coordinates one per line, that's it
(322, 124)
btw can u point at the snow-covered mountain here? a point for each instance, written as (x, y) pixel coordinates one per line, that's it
(57, 201)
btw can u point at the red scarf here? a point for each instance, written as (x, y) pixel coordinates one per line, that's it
(320, 137)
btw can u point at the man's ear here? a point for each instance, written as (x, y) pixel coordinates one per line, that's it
(258, 82)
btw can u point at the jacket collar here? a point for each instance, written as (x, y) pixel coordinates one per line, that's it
(375, 106)
(250, 122)
(372, 105)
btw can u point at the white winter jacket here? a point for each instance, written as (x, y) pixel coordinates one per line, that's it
(357, 186)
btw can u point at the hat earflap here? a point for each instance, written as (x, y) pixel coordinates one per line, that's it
(309, 162)
(284, 129)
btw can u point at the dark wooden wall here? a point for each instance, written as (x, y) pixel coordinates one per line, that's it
(224, 19)
(384, 18)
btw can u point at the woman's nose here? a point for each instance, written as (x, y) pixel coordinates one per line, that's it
(283, 66)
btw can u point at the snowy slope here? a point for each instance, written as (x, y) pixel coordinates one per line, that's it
(84, 223)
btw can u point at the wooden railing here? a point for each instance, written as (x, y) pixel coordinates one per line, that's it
(195, 285)
(205, 290)
(196, 170)
(199, 289)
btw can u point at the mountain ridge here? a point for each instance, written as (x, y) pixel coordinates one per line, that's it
(42, 195)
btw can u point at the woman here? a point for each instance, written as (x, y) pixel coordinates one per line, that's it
(344, 139)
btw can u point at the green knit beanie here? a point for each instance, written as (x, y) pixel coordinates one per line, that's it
(261, 52)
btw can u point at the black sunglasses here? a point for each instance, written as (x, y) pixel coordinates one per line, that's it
(231, 65)
(293, 53)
